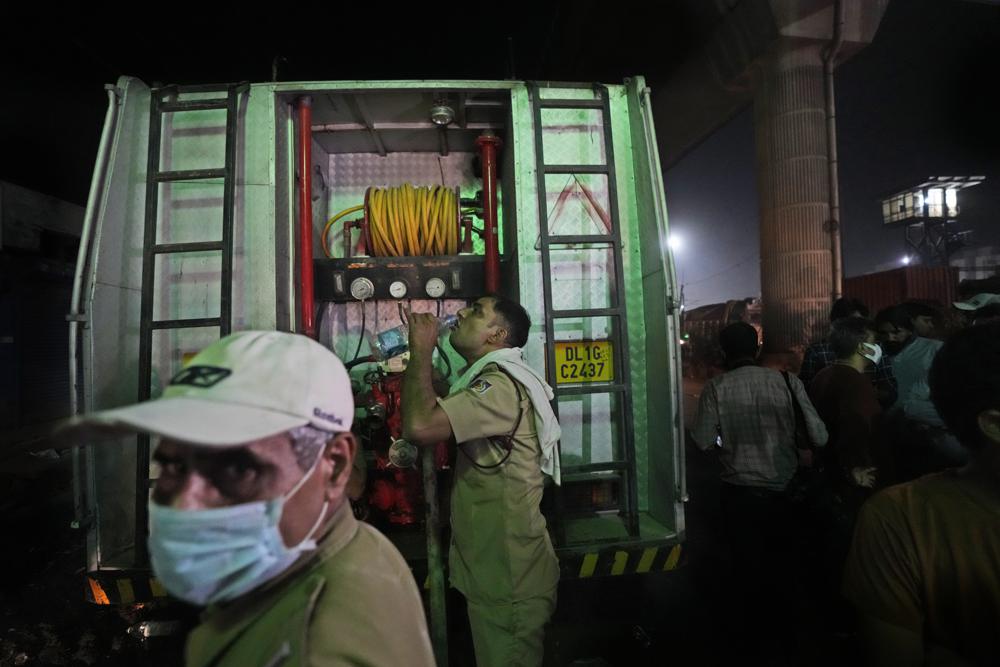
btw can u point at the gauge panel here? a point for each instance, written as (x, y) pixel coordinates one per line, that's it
(462, 277)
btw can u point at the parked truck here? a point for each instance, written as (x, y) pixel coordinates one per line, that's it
(332, 209)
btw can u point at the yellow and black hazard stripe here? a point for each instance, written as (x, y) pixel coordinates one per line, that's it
(611, 562)
(618, 560)
(116, 588)
(108, 588)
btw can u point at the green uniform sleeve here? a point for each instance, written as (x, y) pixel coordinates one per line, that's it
(370, 613)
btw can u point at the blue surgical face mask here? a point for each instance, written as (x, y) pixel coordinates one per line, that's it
(214, 555)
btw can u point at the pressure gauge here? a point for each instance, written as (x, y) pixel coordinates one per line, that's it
(403, 454)
(435, 288)
(397, 289)
(362, 288)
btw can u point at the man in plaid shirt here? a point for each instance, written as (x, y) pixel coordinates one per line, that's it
(819, 355)
(748, 417)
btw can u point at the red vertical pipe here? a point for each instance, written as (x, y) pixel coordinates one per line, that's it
(308, 324)
(488, 144)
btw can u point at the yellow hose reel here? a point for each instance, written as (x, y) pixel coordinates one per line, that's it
(407, 221)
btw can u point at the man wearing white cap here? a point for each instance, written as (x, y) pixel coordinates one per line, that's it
(981, 308)
(249, 515)
(498, 412)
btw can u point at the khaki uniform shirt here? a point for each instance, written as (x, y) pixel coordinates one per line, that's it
(500, 550)
(925, 557)
(354, 602)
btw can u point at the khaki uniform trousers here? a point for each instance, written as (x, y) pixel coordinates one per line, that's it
(512, 634)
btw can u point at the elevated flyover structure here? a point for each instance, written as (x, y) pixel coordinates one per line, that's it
(779, 57)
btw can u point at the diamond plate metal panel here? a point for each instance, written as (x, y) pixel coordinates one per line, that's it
(583, 328)
(588, 428)
(189, 212)
(341, 326)
(194, 139)
(254, 258)
(188, 285)
(577, 204)
(582, 277)
(665, 446)
(573, 136)
(528, 258)
(581, 93)
(351, 173)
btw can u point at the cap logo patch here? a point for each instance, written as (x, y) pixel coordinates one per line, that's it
(328, 417)
(201, 376)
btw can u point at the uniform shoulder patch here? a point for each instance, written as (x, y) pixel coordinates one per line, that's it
(480, 386)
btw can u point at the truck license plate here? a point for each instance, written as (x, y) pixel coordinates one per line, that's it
(584, 361)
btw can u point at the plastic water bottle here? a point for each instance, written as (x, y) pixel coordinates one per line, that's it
(395, 341)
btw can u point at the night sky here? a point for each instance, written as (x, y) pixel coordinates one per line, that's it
(54, 64)
(915, 103)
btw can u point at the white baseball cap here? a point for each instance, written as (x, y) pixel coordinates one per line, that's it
(244, 387)
(978, 301)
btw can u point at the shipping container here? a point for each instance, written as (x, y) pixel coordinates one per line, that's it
(933, 285)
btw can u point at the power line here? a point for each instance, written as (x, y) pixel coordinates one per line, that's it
(725, 270)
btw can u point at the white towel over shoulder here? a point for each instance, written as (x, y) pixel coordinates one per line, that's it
(512, 361)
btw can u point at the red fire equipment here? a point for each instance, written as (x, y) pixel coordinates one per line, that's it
(397, 493)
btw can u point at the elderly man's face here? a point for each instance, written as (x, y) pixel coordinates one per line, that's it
(197, 478)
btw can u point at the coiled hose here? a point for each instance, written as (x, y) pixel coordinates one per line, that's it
(413, 221)
(407, 221)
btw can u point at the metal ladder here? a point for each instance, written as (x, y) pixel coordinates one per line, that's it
(623, 468)
(163, 101)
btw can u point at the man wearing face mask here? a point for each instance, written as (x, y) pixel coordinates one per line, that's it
(846, 401)
(851, 463)
(819, 355)
(249, 515)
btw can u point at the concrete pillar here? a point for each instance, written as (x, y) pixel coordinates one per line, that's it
(790, 137)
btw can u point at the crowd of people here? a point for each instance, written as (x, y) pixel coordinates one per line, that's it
(865, 492)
